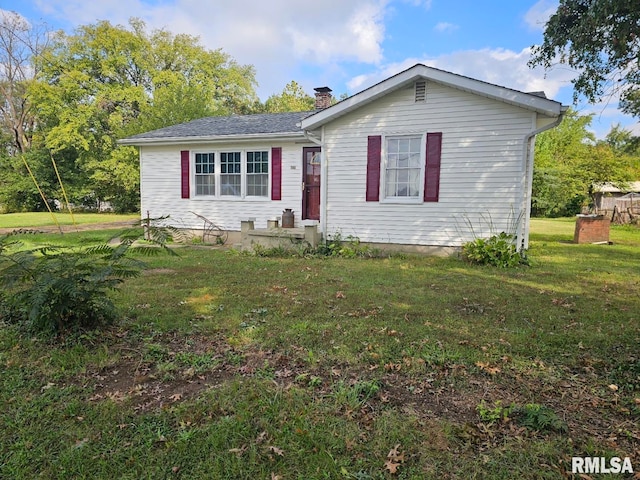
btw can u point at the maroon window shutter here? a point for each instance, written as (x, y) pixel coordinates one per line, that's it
(432, 167)
(184, 172)
(276, 173)
(374, 151)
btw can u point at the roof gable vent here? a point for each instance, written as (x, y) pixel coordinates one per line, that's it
(421, 91)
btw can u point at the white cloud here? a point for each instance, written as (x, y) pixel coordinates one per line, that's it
(445, 27)
(538, 15)
(605, 114)
(276, 36)
(498, 66)
(417, 3)
(357, 37)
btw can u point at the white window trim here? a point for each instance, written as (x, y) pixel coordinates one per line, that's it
(384, 198)
(193, 176)
(242, 174)
(218, 173)
(245, 173)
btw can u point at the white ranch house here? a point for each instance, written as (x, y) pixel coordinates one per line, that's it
(424, 159)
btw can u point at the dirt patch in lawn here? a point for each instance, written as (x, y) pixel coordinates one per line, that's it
(169, 370)
(173, 368)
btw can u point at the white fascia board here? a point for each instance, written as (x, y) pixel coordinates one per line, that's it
(528, 101)
(210, 139)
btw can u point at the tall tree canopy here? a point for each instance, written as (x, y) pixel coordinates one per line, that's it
(600, 39)
(105, 82)
(569, 163)
(292, 99)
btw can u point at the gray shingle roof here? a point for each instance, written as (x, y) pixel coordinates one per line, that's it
(262, 123)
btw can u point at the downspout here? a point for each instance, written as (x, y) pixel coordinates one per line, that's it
(323, 178)
(528, 160)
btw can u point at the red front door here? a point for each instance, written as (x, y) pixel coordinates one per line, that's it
(311, 183)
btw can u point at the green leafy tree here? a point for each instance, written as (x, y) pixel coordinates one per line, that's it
(569, 164)
(622, 141)
(626, 146)
(106, 82)
(556, 190)
(292, 99)
(600, 39)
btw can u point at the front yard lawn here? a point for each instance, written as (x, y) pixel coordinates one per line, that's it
(225, 365)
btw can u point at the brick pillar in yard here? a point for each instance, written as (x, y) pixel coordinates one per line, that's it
(591, 229)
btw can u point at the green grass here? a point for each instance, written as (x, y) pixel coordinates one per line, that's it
(232, 366)
(42, 219)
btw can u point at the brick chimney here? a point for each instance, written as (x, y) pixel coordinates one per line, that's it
(323, 97)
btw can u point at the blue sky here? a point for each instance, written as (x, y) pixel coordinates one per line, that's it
(349, 45)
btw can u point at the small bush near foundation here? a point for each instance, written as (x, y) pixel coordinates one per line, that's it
(498, 250)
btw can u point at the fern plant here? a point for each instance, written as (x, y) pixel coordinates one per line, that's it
(50, 289)
(539, 417)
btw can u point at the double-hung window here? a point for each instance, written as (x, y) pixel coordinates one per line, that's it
(231, 174)
(205, 174)
(258, 174)
(403, 167)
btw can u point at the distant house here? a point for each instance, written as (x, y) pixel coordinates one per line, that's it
(621, 205)
(425, 158)
(606, 195)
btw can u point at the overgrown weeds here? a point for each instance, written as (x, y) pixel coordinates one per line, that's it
(498, 250)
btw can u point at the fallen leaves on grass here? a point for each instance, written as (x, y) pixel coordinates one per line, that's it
(47, 386)
(563, 302)
(238, 452)
(275, 450)
(395, 459)
(262, 437)
(486, 367)
(392, 367)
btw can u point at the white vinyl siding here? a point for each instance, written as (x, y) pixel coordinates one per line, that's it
(481, 172)
(160, 187)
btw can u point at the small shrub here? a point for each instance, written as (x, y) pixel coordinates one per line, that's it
(277, 252)
(493, 414)
(538, 417)
(533, 416)
(349, 247)
(52, 289)
(497, 250)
